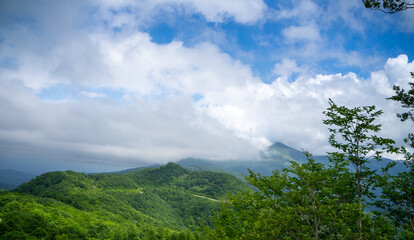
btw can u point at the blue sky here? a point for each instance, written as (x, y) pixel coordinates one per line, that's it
(104, 85)
(264, 42)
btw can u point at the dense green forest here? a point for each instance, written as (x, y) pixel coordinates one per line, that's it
(168, 202)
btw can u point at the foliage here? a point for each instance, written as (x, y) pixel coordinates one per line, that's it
(158, 176)
(312, 200)
(406, 98)
(397, 200)
(353, 133)
(111, 181)
(170, 197)
(212, 184)
(192, 210)
(388, 6)
(303, 201)
(29, 217)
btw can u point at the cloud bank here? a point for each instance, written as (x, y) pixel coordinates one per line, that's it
(76, 95)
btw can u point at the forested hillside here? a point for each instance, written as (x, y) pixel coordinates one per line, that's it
(155, 202)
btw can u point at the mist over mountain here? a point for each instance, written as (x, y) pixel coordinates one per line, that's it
(275, 157)
(10, 179)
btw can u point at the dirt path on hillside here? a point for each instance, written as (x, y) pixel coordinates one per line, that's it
(211, 199)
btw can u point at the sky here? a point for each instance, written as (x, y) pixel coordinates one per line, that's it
(115, 84)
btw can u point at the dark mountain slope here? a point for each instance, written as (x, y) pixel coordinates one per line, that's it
(10, 179)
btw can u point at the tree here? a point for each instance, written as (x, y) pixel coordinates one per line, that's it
(295, 203)
(398, 191)
(388, 6)
(304, 201)
(406, 98)
(311, 200)
(353, 133)
(397, 201)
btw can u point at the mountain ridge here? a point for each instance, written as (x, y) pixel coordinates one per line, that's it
(275, 157)
(10, 179)
(168, 195)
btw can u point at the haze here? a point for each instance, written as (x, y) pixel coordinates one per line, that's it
(110, 85)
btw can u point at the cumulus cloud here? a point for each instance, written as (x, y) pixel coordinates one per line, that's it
(140, 131)
(292, 111)
(232, 122)
(287, 67)
(173, 100)
(152, 120)
(133, 63)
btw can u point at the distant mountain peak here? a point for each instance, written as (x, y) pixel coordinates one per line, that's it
(172, 165)
(173, 169)
(278, 145)
(281, 151)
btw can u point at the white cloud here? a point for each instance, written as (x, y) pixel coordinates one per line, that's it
(309, 32)
(156, 119)
(292, 111)
(138, 132)
(236, 115)
(286, 67)
(303, 11)
(398, 69)
(133, 63)
(350, 13)
(93, 94)
(242, 11)
(246, 11)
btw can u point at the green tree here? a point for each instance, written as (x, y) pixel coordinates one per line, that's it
(398, 191)
(304, 201)
(353, 133)
(397, 201)
(406, 98)
(388, 6)
(311, 200)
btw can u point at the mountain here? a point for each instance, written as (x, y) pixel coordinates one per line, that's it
(164, 202)
(128, 170)
(275, 157)
(194, 164)
(149, 203)
(10, 179)
(168, 195)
